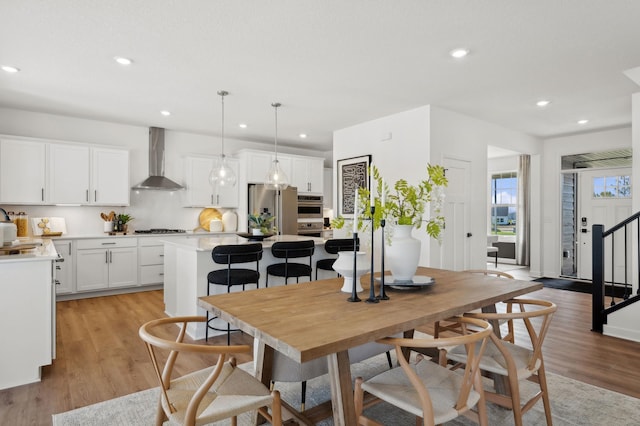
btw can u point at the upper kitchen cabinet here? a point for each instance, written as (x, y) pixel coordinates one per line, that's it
(109, 177)
(68, 174)
(257, 164)
(22, 171)
(199, 192)
(307, 174)
(36, 171)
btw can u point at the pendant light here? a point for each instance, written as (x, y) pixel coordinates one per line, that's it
(222, 174)
(276, 178)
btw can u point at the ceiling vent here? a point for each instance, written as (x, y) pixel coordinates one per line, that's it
(157, 180)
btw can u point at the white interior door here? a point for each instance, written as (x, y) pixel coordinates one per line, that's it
(455, 250)
(594, 208)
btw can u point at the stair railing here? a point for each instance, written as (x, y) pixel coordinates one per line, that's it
(600, 240)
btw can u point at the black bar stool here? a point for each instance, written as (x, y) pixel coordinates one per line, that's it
(229, 277)
(291, 250)
(333, 246)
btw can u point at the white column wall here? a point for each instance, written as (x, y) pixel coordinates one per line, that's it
(399, 145)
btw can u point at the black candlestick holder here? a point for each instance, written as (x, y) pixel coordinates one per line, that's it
(354, 294)
(383, 295)
(372, 291)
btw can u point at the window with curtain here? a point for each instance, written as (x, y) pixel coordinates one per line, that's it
(504, 196)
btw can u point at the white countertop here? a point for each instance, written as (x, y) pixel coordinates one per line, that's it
(45, 250)
(190, 234)
(208, 243)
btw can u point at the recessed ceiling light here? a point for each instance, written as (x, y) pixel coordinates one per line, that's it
(242, 125)
(165, 113)
(122, 61)
(459, 53)
(303, 135)
(583, 121)
(9, 68)
(543, 103)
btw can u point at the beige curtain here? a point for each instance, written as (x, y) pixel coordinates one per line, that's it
(523, 213)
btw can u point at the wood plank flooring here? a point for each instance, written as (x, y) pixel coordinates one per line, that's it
(100, 355)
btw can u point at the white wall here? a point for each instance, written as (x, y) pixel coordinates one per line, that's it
(554, 149)
(399, 145)
(430, 134)
(151, 209)
(461, 137)
(623, 323)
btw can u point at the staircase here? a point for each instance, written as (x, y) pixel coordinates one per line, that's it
(621, 241)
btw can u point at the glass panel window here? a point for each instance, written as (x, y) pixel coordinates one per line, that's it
(612, 187)
(504, 190)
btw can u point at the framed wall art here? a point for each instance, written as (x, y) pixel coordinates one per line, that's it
(353, 173)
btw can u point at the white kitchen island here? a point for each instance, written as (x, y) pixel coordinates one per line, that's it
(27, 313)
(187, 261)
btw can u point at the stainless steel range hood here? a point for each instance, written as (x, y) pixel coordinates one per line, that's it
(156, 179)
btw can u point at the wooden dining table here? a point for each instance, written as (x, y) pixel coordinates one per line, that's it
(311, 320)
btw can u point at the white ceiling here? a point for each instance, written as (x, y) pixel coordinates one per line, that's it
(331, 63)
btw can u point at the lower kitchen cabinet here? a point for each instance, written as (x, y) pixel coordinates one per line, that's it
(151, 260)
(64, 268)
(106, 263)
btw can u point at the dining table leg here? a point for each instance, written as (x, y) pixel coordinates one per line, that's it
(344, 412)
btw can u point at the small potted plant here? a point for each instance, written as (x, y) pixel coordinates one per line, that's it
(121, 222)
(260, 224)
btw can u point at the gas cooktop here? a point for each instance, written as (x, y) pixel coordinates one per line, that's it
(159, 231)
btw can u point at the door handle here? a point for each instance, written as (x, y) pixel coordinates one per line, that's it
(469, 234)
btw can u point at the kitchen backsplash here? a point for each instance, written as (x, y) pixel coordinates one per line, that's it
(150, 209)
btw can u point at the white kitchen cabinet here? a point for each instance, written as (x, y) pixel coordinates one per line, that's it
(307, 174)
(64, 268)
(257, 164)
(110, 177)
(68, 174)
(106, 263)
(151, 260)
(22, 171)
(200, 193)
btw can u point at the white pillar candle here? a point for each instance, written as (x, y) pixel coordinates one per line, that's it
(355, 213)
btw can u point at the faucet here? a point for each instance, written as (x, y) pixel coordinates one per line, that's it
(6, 216)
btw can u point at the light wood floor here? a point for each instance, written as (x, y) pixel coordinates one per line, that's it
(101, 357)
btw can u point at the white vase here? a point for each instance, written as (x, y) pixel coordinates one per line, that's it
(403, 254)
(229, 221)
(344, 266)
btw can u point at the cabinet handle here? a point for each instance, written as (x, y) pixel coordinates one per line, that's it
(87, 195)
(42, 194)
(58, 267)
(57, 282)
(106, 257)
(161, 274)
(106, 244)
(110, 256)
(211, 198)
(95, 195)
(161, 255)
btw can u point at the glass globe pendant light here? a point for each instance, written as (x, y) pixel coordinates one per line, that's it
(276, 178)
(222, 174)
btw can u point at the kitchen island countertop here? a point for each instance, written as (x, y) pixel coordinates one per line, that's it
(208, 243)
(44, 250)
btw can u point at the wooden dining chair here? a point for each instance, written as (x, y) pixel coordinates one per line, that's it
(444, 326)
(513, 361)
(426, 389)
(214, 393)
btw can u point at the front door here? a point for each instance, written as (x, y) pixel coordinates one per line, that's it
(604, 199)
(455, 250)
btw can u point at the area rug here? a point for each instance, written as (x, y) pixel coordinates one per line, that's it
(572, 403)
(579, 286)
